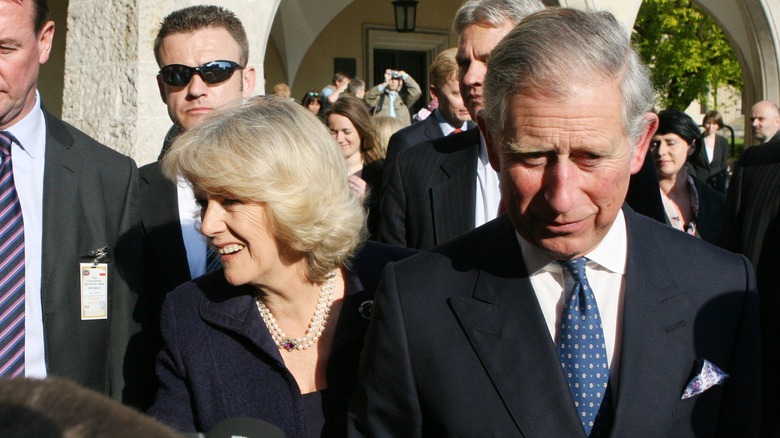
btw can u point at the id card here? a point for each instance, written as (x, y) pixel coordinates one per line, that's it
(94, 291)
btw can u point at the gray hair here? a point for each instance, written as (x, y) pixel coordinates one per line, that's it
(493, 12)
(556, 52)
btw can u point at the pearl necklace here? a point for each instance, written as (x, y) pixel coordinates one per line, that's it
(316, 326)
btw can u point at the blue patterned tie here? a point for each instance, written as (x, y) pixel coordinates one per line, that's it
(11, 268)
(581, 348)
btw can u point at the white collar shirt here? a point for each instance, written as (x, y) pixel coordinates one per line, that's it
(605, 270)
(488, 193)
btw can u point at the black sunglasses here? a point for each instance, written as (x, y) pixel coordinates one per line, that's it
(213, 72)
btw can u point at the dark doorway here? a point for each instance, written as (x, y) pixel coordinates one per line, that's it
(413, 63)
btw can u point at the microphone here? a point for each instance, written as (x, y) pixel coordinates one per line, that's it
(245, 427)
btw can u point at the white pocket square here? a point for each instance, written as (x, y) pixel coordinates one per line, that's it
(708, 376)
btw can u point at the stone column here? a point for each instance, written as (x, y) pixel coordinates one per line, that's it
(110, 90)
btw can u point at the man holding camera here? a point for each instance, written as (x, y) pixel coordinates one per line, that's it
(387, 99)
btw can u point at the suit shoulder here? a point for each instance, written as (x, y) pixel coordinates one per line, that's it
(423, 153)
(761, 155)
(69, 135)
(669, 240)
(474, 250)
(152, 173)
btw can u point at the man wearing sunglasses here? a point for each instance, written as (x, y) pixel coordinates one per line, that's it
(202, 52)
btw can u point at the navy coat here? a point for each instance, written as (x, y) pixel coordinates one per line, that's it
(219, 360)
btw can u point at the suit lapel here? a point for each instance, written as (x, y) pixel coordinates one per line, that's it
(653, 311)
(237, 314)
(507, 330)
(160, 218)
(453, 193)
(62, 170)
(432, 129)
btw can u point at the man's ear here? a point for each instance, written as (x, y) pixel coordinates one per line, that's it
(161, 87)
(45, 38)
(434, 92)
(493, 155)
(643, 143)
(249, 81)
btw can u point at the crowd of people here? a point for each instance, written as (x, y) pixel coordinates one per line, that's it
(540, 253)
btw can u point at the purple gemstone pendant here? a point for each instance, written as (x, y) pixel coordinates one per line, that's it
(289, 345)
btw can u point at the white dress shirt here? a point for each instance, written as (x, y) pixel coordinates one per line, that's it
(605, 270)
(189, 220)
(28, 160)
(488, 193)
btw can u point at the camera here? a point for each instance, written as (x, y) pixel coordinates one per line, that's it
(395, 75)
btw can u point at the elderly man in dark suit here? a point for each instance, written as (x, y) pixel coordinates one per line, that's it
(571, 315)
(752, 227)
(70, 243)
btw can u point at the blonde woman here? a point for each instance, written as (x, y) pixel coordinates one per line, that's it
(276, 333)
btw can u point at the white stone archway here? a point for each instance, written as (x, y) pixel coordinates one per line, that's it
(110, 92)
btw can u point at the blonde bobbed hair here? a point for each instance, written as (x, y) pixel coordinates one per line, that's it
(275, 152)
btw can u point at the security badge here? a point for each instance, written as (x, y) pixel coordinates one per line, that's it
(94, 286)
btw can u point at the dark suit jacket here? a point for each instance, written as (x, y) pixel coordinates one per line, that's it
(419, 132)
(752, 227)
(430, 194)
(413, 134)
(220, 361)
(165, 257)
(713, 173)
(458, 345)
(90, 200)
(709, 219)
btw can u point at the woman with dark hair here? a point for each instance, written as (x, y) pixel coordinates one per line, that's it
(311, 101)
(691, 205)
(350, 124)
(709, 164)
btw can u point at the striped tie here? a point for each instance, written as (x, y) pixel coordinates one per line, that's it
(11, 268)
(213, 261)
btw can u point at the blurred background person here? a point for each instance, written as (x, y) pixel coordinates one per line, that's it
(330, 93)
(350, 124)
(691, 205)
(276, 333)
(710, 163)
(385, 127)
(311, 101)
(394, 96)
(425, 112)
(765, 119)
(356, 87)
(282, 90)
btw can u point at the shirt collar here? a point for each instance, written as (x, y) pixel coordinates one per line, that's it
(445, 126)
(610, 253)
(483, 155)
(27, 131)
